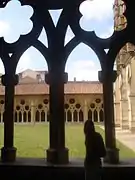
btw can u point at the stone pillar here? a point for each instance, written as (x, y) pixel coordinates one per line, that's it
(124, 122)
(131, 94)
(117, 114)
(107, 79)
(117, 104)
(46, 115)
(8, 152)
(72, 115)
(32, 112)
(85, 111)
(132, 113)
(57, 153)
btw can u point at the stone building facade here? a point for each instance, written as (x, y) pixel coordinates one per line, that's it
(124, 87)
(83, 99)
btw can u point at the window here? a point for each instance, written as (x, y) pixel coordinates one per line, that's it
(81, 119)
(69, 116)
(75, 116)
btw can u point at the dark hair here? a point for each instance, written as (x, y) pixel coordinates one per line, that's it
(89, 127)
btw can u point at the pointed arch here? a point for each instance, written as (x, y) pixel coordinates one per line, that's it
(95, 116)
(101, 115)
(29, 116)
(75, 116)
(20, 117)
(90, 114)
(125, 61)
(69, 116)
(24, 117)
(37, 116)
(81, 116)
(81, 63)
(32, 59)
(42, 116)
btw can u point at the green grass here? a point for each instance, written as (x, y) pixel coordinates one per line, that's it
(32, 141)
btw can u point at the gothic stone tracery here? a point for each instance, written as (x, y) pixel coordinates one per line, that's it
(34, 108)
(56, 56)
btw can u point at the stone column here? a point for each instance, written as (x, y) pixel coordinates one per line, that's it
(107, 79)
(117, 114)
(117, 104)
(32, 112)
(57, 153)
(124, 122)
(131, 95)
(8, 152)
(85, 111)
(132, 113)
(46, 115)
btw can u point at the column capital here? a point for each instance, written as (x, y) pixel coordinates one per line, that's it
(9, 80)
(52, 77)
(106, 75)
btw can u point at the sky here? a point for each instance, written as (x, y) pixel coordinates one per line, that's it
(82, 62)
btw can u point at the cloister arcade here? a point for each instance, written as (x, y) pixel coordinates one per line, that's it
(29, 111)
(56, 55)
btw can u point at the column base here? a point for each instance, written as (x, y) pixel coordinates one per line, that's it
(132, 130)
(125, 125)
(8, 154)
(132, 126)
(57, 156)
(117, 125)
(112, 156)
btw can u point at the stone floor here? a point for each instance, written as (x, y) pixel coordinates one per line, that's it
(126, 137)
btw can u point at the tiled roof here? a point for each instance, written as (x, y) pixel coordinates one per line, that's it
(82, 87)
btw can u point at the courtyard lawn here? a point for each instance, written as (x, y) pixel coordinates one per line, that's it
(32, 140)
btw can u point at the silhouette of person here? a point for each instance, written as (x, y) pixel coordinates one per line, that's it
(95, 150)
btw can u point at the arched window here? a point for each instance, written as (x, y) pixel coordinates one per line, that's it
(90, 114)
(42, 116)
(69, 116)
(101, 115)
(81, 119)
(29, 116)
(20, 117)
(24, 117)
(37, 116)
(95, 116)
(15, 116)
(48, 116)
(75, 116)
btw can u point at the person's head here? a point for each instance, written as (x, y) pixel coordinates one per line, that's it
(89, 127)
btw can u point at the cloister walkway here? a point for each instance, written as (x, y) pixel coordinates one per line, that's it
(125, 137)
